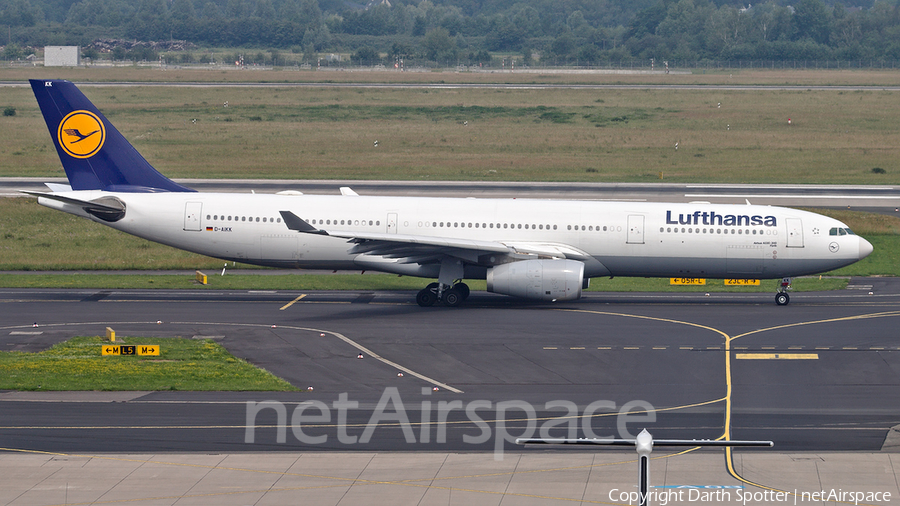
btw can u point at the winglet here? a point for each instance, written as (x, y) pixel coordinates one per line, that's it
(294, 222)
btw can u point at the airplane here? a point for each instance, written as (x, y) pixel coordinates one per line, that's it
(530, 248)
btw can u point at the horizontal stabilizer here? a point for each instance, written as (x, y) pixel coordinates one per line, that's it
(106, 208)
(56, 187)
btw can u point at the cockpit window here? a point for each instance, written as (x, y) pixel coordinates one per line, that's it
(840, 231)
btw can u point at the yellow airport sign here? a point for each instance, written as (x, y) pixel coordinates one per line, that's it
(741, 282)
(687, 281)
(130, 349)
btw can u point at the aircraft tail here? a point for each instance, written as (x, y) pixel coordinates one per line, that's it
(93, 153)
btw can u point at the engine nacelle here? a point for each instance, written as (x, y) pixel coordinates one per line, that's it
(538, 279)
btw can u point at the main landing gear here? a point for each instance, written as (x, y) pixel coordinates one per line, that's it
(782, 298)
(451, 296)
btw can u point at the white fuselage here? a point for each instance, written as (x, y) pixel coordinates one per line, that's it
(616, 238)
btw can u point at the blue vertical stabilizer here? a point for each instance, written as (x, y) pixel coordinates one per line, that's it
(93, 153)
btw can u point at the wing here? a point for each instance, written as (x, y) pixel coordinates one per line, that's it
(432, 249)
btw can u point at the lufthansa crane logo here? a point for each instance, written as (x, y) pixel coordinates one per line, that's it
(81, 134)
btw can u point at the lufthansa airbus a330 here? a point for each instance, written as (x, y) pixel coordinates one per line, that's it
(529, 248)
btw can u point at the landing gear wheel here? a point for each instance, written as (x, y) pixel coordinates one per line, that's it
(426, 297)
(463, 290)
(452, 297)
(782, 299)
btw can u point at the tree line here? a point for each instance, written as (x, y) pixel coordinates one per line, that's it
(584, 32)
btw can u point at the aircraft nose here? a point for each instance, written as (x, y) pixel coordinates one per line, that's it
(865, 248)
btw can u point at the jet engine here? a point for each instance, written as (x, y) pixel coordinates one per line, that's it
(538, 279)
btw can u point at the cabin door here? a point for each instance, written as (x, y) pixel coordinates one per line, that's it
(392, 223)
(794, 233)
(192, 212)
(635, 229)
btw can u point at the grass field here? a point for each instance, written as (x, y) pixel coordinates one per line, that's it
(795, 77)
(183, 364)
(452, 134)
(485, 134)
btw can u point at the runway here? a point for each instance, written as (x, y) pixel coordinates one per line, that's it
(875, 198)
(819, 375)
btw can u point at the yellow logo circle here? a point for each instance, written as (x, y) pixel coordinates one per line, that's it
(81, 134)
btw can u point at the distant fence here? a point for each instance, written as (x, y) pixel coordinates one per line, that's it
(733, 65)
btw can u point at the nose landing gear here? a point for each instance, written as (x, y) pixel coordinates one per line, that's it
(782, 298)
